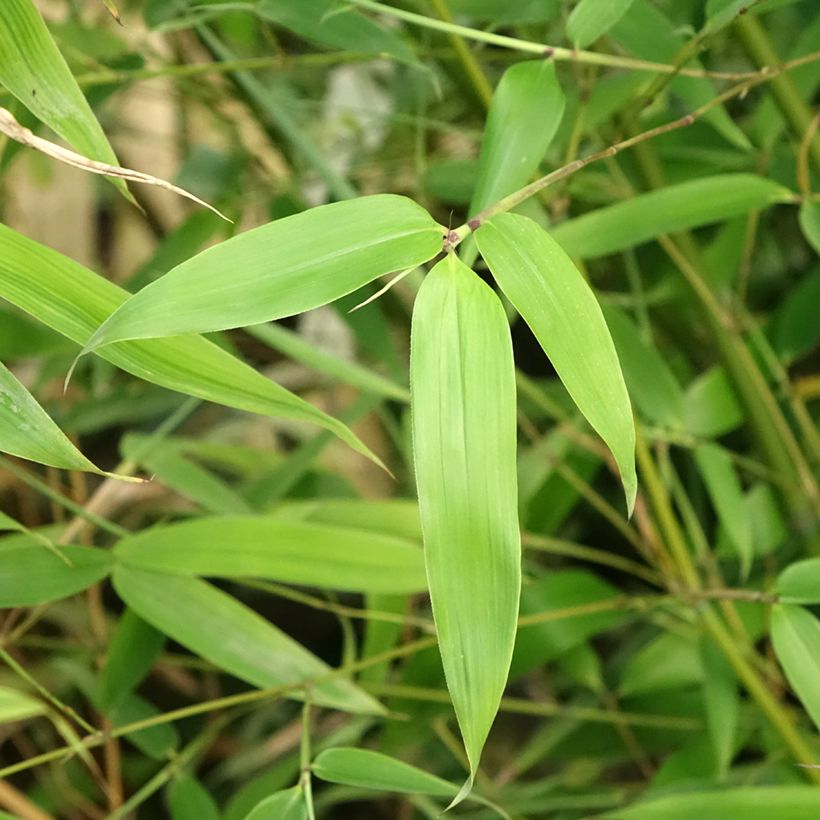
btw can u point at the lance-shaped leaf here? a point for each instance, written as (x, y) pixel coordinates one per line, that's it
(280, 269)
(74, 301)
(796, 640)
(462, 385)
(799, 583)
(674, 208)
(289, 551)
(233, 637)
(288, 804)
(27, 431)
(525, 113)
(32, 68)
(563, 313)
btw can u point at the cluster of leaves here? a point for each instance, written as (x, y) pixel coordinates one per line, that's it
(252, 634)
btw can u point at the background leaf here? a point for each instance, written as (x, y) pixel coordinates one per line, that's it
(590, 19)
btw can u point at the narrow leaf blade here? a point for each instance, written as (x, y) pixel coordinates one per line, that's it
(592, 18)
(561, 309)
(464, 437)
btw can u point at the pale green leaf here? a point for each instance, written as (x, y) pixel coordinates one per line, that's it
(746, 802)
(559, 306)
(17, 705)
(233, 637)
(525, 113)
(27, 431)
(287, 551)
(799, 583)
(726, 494)
(288, 804)
(592, 18)
(711, 406)
(464, 437)
(372, 770)
(33, 575)
(280, 269)
(74, 301)
(32, 68)
(796, 639)
(675, 208)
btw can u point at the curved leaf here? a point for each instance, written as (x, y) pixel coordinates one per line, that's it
(464, 437)
(288, 804)
(74, 301)
(799, 583)
(592, 18)
(288, 551)
(280, 269)
(233, 637)
(563, 313)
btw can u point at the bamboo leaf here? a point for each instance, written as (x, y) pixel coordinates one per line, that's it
(17, 705)
(799, 583)
(34, 71)
(31, 575)
(809, 216)
(555, 301)
(464, 438)
(372, 770)
(721, 701)
(796, 639)
(748, 802)
(288, 804)
(189, 800)
(280, 269)
(525, 113)
(287, 551)
(27, 431)
(233, 637)
(592, 18)
(672, 209)
(726, 495)
(74, 301)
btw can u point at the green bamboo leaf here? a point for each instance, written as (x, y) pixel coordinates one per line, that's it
(525, 113)
(31, 575)
(809, 216)
(721, 701)
(188, 799)
(590, 19)
(556, 302)
(288, 804)
(287, 551)
(233, 637)
(748, 802)
(672, 209)
(796, 639)
(372, 770)
(34, 71)
(17, 705)
(726, 494)
(27, 431)
(799, 583)
(464, 437)
(280, 269)
(329, 23)
(74, 301)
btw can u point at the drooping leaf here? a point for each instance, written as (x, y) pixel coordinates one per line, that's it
(280, 269)
(372, 770)
(592, 18)
(32, 575)
(287, 551)
(331, 24)
(17, 705)
(32, 68)
(799, 583)
(233, 637)
(288, 804)
(720, 697)
(748, 802)
(27, 431)
(796, 639)
(74, 301)
(525, 113)
(556, 302)
(674, 208)
(464, 438)
(810, 223)
(726, 495)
